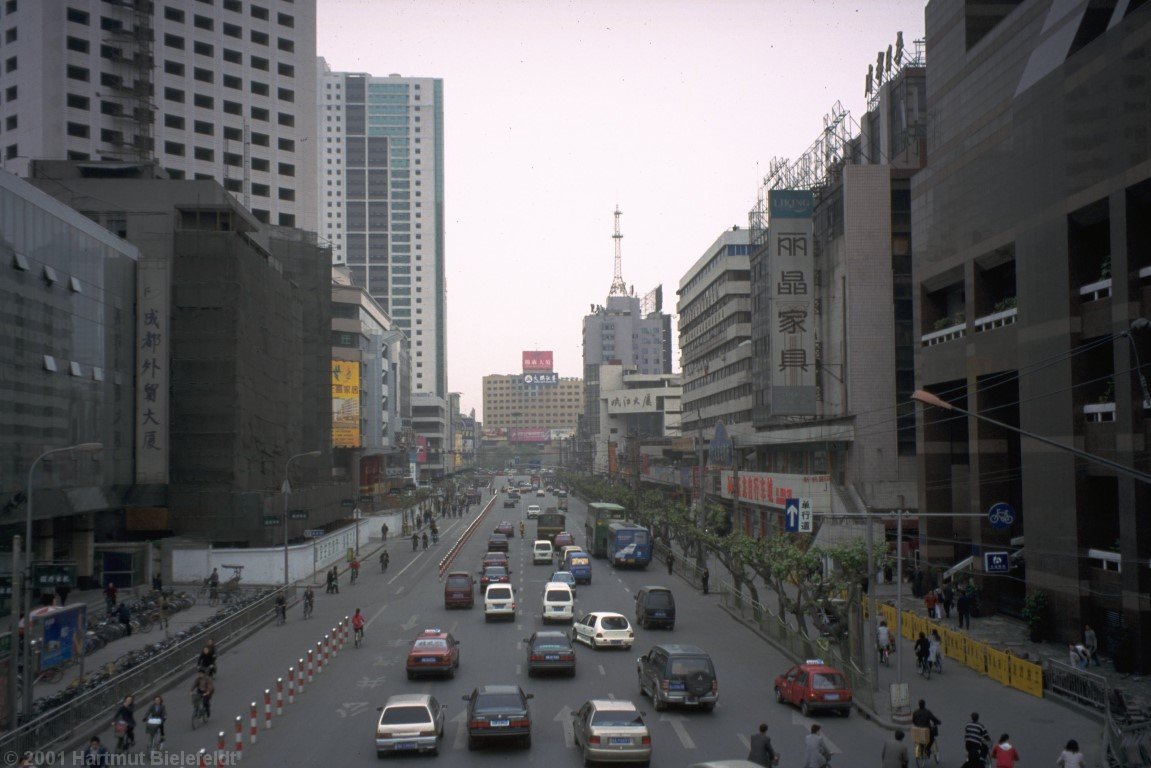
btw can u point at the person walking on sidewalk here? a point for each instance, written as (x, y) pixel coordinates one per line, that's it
(1070, 757)
(1004, 755)
(1091, 643)
(948, 599)
(670, 562)
(384, 532)
(110, 596)
(760, 750)
(816, 749)
(895, 752)
(963, 609)
(704, 578)
(929, 603)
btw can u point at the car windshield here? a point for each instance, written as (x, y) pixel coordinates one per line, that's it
(405, 716)
(616, 719)
(558, 596)
(613, 622)
(500, 594)
(430, 644)
(495, 570)
(828, 681)
(658, 599)
(498, 702)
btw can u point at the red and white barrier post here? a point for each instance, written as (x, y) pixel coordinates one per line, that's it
(279, 697)
(267, 709)
(202, 762)
(320, 655)
(239, 737)
(291, 685)
(311, 667)
(254, 724)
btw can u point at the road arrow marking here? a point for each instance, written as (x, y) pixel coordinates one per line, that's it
(676, 722)
(564, 718)
(601, 670)
(461, 721)
(407, 625)
(744, 740)
(805, 723)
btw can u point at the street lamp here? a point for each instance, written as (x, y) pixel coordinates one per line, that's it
(27, 644)
(286, 488)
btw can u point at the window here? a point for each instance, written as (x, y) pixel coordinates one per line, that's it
(259, 38)
(233, 134)
(287, 169)
(259, 62)
(285, 44)
(260, 89)
(174, 14)
(287, 70)
(174, 94)
(259, 113)
(111, 108)
(261, 164)
(260, 139)
(74, 72)
(231, 158)
(203, 153)
(76, 16)
(231, 30)
(174, 121)
(287, 220)
(231, 81)
(207, 102)
(261, 215)
(261, 190)
(10, 95)
(108, 136)
(204, 49)
(233, 108)
(203, 22)
(173, 148)
(286, 145)
(284, 20)
(174, 41)
(233, 57)
(204, 128)
(204, 75)
(175, 173)
(75, 101)
(110, 25)
(73, 44)
(173, 68)
(287, 194)
(10, 123)
(233, 185)
(286, 94)
(283, 118)
(233, 5)
(259, 12)
(11, 151)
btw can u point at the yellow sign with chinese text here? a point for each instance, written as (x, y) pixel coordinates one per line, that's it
(345, 404)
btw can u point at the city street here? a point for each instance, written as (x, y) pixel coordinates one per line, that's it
(335, 717)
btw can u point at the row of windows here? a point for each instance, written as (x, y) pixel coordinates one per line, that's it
(231, 30)
(203, 22)
(230, 81)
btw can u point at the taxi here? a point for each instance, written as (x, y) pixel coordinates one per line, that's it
(813, 687)
(433, 652)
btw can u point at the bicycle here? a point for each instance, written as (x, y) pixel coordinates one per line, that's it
(884, 652)
(281, 615)
(926, 747)
(355, 574)
(309, 606)
(358, 636)
(924, 664)
(125, 740)
(155, 740)
(199, 712)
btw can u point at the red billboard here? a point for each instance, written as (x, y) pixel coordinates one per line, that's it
(537, 360)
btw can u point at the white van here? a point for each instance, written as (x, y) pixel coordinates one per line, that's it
(533, 511)
(559, 603)
(499, 602)
(542, 552)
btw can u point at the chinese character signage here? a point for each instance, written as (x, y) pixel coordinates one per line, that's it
(541, 378)
(345, 404)
(791, 267)
(531, 435)
(152, 353)
(537, 360)
(631, 401)
(772, 489)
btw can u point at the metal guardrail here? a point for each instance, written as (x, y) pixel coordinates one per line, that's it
(1082, 687)
(65, 722)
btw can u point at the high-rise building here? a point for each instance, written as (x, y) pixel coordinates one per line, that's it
(511, 402)
(221, 91)
(381, 202)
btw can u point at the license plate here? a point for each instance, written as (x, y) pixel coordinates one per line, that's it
(692, 699)
(619, 740)
(616, 642)
(831, 696)
(551, 657)
(428, 660)
(499, 723)
(407, 745)
(661, 614)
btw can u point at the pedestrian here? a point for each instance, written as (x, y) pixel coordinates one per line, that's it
(110, 596)
(384, 532)
(704, 577)
(929, 604)
(125, 617)
(816, 749)
(1003, 754)
(917, 582)
(670, 562)
(165, 611)
(336, 579)
(895, 752)
(760, 750)
(1078, 655)
(963, 609)
(1070, 757)
(948, 599)
(157, 583)
(1091, 643)
(62, 592)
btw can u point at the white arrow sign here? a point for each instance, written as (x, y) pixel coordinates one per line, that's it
(461, 721)
(564, 718)
(676, 722)
(407, 625)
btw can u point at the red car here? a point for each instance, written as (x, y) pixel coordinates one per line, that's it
(494, 574)
(497, 542)
(496, 558)
(459, 590)
(506, 528)
(433, 652)
(563, 539)
(814, 686)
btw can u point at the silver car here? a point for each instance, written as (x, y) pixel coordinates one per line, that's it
(610, 731)
(410, 722)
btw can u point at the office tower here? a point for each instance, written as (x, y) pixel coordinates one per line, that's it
(222, 90)
(380, 202)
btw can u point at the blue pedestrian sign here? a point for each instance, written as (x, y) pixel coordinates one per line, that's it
(1001, 515)
(996, 562)
(791, 516)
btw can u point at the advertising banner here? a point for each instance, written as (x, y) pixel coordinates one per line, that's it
(537, 360)
(421, 449)
(345, 404)
(561, 434)
(631, 401)
(495, 433)
(791, 307)
(772, 489)
(541, 378)
(532, 435)
(153, 350)
(61, 634)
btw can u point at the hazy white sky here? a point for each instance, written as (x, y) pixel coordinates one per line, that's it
(555, 112)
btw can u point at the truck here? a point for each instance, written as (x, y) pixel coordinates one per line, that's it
(549, 523)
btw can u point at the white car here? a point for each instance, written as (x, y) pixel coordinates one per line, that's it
(602, 629)
(410, 722)
(533, 511)
(542, 552)
(499, 602)
(559, 602)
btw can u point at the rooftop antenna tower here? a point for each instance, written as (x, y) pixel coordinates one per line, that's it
(618, 287)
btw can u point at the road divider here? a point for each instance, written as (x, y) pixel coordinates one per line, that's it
(450, 557)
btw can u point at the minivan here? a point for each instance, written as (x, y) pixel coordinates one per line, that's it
(655, 607)
(542, 552)
(678, 674)
(559, 603)
(579, 563)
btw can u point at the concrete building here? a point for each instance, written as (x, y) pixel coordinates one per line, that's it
(714, 309)
(431, 429)
(67, 288)
(222, 91)
(639, 413)
(381, 202)
(371, 447)
(1032, 265)
(233, 366)
(510, 403)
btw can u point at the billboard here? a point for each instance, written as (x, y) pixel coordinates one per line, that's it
(541, 378)
(537, 360)
(60, 632)
(791, 302)
(631, 401)
(529, 435)
(153, 353)
(773, 489)
(345, 404)
(495, 433)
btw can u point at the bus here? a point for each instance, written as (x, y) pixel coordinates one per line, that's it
(628, 545)
(599, 515)
(549, 523)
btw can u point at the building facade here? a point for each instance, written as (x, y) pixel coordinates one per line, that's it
(221, 91)
(381, 202)
(511, 403)
(639, 413)
(1031, 269)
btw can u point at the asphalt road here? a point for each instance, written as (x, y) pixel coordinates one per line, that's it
(334, 719)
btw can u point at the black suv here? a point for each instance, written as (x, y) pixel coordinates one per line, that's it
(655, 607)
(498, 712)
(678, 674)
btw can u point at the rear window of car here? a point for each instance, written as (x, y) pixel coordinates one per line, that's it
(613, 622)
(658, 599)
(405, 715)
(500, 594)
(688, 665)
(498, 702)
(616, 719)
(457, 582)
(552, 645)
(558, 596)
(828, 681)
(430, 644)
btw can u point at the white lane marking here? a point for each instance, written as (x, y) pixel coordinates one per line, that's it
(564, 718)
(461, 721)
(676, 722)
(601, 670)
(805, 723)
(519, 669)
(375, 616)
(745, 741)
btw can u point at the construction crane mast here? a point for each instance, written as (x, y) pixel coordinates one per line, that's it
(618, 287)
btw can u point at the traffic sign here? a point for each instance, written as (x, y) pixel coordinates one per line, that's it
(996, 562)
(270, 520)
(313, 533)
(298, 514)
(1001, 515)
(806, 518)
(791, 515)
(52, 575)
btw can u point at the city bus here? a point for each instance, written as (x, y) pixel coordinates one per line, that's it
(599, 516)
(628, 545)
(549, 523)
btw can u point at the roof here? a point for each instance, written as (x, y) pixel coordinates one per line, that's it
(408, 698)
(498, 689)
(612, 705)
(683, 649)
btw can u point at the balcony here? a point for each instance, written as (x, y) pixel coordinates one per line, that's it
(1100, 289)
(943, 335)
(996, 320)
(1098, 413)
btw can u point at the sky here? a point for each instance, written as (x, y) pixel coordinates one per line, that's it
(557, 112)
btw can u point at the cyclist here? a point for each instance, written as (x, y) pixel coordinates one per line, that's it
(935, 650)
(354, 567)
(922, 651)
(207, 661)
(976, 740)
(384, 561)
(125, 724)
(415, 542)
(281, 608)
(358, 626)
(522, 529)
(205, 688)
(925, 718)
(309, 601)
(1004, 754)
(424, 539)
(883, 638)
(155, 717)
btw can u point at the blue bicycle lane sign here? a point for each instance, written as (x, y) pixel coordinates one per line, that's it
(1001, 515)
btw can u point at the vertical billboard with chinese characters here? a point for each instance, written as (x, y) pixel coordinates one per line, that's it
(153, 348)
(791, 265)
(537, 360)
(345, 404)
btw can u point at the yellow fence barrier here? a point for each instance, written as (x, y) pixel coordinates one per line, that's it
(997, 666)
